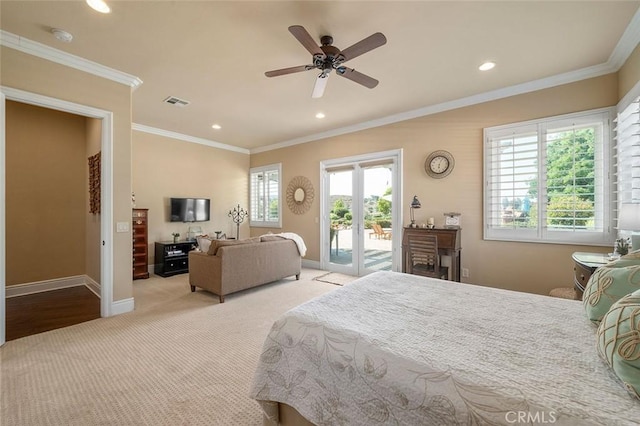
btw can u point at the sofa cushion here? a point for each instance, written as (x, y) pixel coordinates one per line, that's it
(216, 244)
(619, 340)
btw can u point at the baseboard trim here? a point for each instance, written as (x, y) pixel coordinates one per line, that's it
(122, 306)
(46, 285)
(117, 307)
(312, 264)
(92, 285)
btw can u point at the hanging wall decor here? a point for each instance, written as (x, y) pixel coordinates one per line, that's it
(299, 195)
(94, 184)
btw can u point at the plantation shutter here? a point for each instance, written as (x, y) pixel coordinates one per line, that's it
(627, 140)
(511, 161)
(265, 205)
(547, 180)
(574, 181)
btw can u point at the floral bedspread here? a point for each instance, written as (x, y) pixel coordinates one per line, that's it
(397, 349)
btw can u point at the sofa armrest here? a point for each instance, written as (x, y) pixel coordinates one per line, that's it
(205, 271)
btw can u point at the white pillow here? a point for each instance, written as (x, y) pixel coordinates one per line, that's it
(204, 241)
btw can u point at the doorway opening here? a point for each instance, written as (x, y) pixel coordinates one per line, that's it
(104, 232)
(360, 210)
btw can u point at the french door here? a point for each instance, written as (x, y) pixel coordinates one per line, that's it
(360, 211)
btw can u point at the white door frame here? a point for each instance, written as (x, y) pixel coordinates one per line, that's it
(394, 156)
(106, 186)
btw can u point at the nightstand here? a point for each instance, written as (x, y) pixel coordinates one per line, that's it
(585, 264)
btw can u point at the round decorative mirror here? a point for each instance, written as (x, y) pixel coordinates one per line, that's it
(299, 195)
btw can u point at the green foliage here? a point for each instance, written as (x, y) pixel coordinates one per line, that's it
(384, 223)
(273, 208)
(384, 206)
(570, 165)
(569, 211)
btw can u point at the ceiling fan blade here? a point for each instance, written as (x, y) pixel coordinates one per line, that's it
(285, 71)
(321, 83)
(363, 46)
(358, 77)
(306, 40)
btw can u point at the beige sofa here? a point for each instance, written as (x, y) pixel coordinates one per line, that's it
(234, 265)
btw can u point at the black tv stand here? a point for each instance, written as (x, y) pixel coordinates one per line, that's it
(172, 258)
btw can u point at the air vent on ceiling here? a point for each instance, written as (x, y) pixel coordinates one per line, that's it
(176, 101)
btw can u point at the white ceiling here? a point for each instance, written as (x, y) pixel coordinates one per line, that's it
(214, 54)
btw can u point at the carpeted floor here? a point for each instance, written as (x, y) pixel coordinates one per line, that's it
(180, 358)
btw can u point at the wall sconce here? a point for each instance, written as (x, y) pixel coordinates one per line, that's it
(415, 204)
(629, 220)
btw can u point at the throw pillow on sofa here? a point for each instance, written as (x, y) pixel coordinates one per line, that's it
(619, 340)
(216, 244)
(606, 286)
(204, 242)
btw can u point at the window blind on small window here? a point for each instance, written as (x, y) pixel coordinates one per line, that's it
(264, 196)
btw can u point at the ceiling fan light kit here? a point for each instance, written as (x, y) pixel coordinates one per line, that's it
(327, 58)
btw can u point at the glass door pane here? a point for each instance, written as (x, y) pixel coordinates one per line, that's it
(377, 211)
(340, 207)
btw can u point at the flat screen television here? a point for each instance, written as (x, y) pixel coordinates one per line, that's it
(189, 209)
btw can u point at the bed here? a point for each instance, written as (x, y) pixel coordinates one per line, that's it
(398, 349)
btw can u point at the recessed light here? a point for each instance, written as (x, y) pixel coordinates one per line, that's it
(216, 126)
(99, 6)
(487, 66)
(62, 35)
(320, 115)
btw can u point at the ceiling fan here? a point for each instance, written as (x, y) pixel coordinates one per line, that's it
(327, 58)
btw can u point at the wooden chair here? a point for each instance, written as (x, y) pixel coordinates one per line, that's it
(424, 259)
(379, 232)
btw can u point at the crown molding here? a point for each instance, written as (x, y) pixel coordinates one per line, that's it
(625, 46)
(530, 86)
(627, 43)
(43, 51)
(187, 138)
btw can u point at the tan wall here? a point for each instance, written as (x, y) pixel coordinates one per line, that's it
(528, 267)
(92, 245)
(166, 167)
(21, 71)
(629, 74)
(45, 194)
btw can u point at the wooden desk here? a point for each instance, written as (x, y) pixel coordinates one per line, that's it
(448, 245)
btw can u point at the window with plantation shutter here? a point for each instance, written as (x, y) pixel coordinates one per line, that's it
(548, 180)
(628, 153)
(265, 196)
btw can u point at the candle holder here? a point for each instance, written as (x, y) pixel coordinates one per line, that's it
(238, 214)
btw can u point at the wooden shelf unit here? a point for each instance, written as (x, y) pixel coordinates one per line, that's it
(139, 232)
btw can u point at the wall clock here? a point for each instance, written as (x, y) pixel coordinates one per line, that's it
(439, 164)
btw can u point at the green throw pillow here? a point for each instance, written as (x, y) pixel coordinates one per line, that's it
(606, 286)
(629, 259)
(619, 341)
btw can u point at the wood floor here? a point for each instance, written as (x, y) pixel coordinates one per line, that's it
(36, 313)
